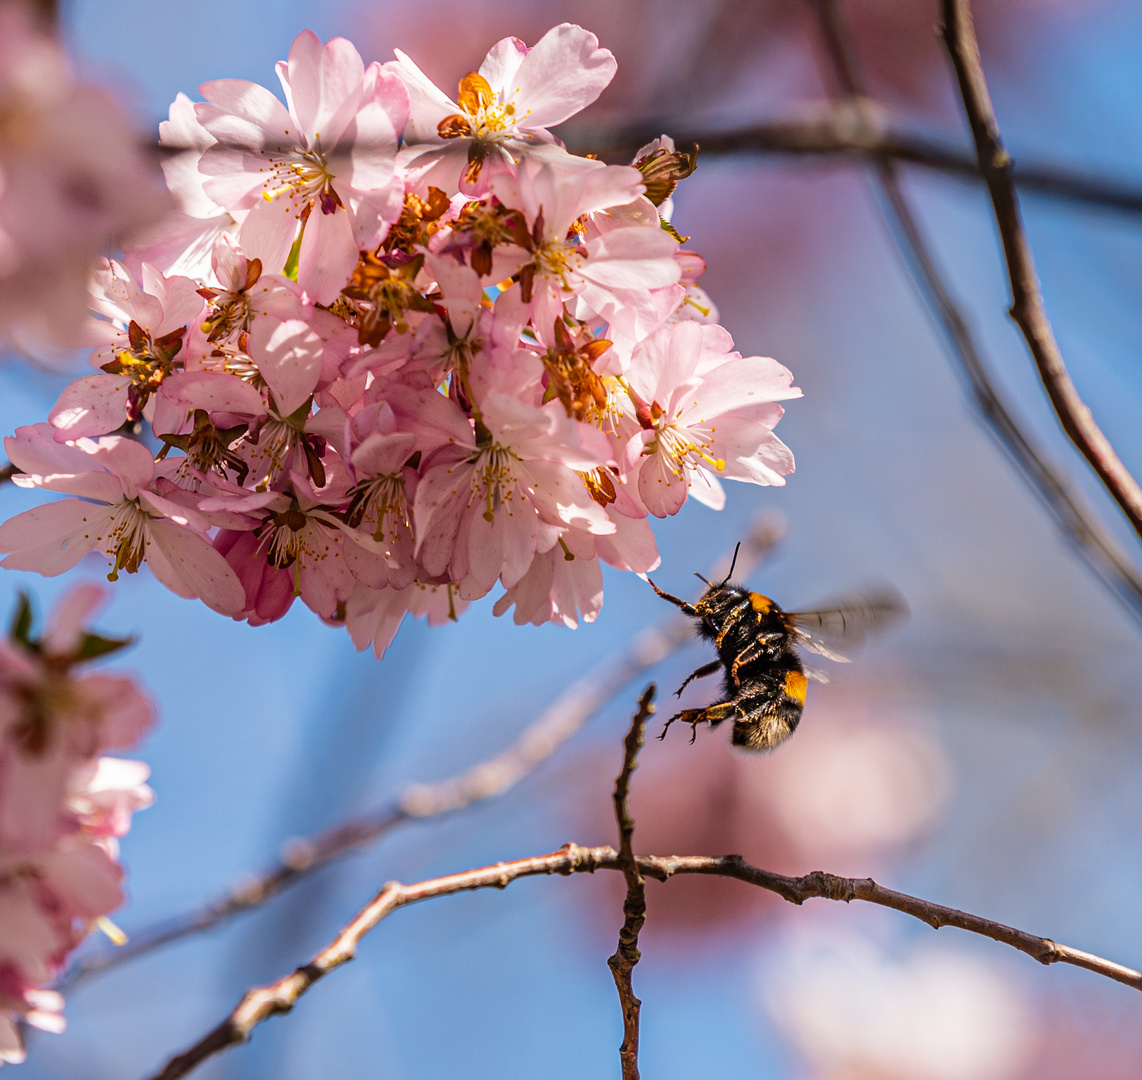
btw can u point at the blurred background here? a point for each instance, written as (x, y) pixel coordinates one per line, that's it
(984, 755)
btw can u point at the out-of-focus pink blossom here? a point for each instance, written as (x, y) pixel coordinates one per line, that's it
(74, 180)
(851, 1008)
(63, 806)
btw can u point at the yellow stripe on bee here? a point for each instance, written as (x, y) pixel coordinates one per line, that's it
(761, 604)
(795, 685)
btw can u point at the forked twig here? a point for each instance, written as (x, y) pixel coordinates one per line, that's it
(261, 1003)
(626, 956)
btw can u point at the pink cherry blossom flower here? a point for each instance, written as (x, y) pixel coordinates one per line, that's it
(379, 505)
(504, 109)
(613, 273)
(705, 413)
(141, 336)
(497, 493)
(242, 292)
(326, 165)
(118, 512)
(297, 549)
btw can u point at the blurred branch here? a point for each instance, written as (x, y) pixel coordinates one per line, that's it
(857, 130)
(264, 1002)
(558, 723)
(1077, 522)
(1027, 299)
(627, 955)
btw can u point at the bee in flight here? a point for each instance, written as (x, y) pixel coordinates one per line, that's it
(764, 680)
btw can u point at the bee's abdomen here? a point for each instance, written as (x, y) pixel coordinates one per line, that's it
(769, 705)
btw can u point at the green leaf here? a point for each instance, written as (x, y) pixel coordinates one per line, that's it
(22, 621)
(93, 646)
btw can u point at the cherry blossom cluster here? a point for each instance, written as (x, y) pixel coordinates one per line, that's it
(395, 348)
(74, 179)
(63, 805)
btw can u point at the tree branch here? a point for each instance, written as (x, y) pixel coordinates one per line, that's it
(1076, 521)
(558, 723)
(262, 1003)
(627, 955)
(1027, 299)
(838, 129)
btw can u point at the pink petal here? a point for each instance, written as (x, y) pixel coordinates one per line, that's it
(502, 63)
(92, 405)
(35, 450)
(707, 489)
(269, 231)
(245, 114)
(190, 567)
(172, 511)
(69, 616)
(130, 461)
(563, 73)
(126, 714)
(214, 391)
(328, 255)
(86, 878)
(52, 538)
(428, 105)
(288, 355)
(663, 491)
(636, 258)
(630, 547)
(322, 85)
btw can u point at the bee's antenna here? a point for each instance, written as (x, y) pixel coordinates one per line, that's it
(702, 577)
(733, 563)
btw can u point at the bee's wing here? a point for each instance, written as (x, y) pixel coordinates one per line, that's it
(847, 621)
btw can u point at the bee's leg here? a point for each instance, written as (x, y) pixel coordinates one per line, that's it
(733, 617)
(701, 673)
(687, 609)
(713, 715)
(753, 651)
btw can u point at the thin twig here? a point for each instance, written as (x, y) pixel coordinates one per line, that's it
(837, 129)
(627, 955)
(1027, 299)
(1077, 522)
(558, 723)
(261, 1003)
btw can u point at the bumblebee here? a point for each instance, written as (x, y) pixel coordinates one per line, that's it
(764, 679)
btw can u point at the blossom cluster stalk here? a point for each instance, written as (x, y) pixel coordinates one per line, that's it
(397, 349)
